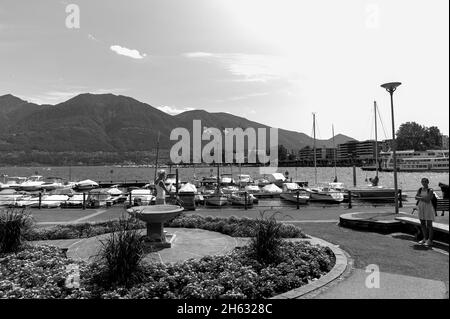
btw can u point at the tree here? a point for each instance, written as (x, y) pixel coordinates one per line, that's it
(433, 138)
(282, 153)
(412, 135)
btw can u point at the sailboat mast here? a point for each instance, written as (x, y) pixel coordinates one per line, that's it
(376, 137)
(314, 149)
(157, 155)
(334, 153)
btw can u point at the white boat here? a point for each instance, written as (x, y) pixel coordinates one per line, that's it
(86, 184)
(99, 198)
(416, 161)
(33, 183)
(325, 194)
(27, 200)
(226, 180)
(142, 197)
(74, 201)
(15, 182)
(52, 183)
(9, 197)
(3, 186)
(292, 192)
(230, 189)
(217, 199)
(270, 190)
(252, 189)
(276, 178)
(244, 179)
(51, 200)
(239, 198)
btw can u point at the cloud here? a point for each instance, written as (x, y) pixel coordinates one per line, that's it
(131, 53)
(174, 111)
(197, 54)
(55, 97)
(91, 37)
(248, 67)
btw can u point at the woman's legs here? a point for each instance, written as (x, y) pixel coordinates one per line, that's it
(430, 230)
(423, 225)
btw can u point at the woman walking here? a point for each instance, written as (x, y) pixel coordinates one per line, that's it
(426, 212)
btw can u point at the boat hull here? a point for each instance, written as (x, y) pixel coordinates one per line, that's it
(292, 197)
(217, 200)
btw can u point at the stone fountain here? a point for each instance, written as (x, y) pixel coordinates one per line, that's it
(155, 216)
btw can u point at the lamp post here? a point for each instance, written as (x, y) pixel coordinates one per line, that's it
(391, 87)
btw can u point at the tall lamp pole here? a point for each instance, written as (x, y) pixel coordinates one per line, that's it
(391, 87)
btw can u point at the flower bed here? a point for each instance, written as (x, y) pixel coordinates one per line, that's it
(40, 272)
(232, 226)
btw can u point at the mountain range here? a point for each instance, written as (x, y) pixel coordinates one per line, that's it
(113, 123)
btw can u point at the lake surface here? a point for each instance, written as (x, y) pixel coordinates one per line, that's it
(407, 181)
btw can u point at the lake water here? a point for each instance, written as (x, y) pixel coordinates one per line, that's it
(408, 182)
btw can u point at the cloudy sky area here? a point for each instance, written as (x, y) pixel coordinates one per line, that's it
(271, 61)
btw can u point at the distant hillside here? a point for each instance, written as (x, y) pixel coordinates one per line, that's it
(111, 123)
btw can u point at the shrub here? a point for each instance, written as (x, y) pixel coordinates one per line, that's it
(120, 256)
(267, 240)
(13, 225)
(232, 226)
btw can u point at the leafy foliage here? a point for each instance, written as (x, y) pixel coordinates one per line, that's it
(267, 240)
(13, 225)
(412, 135)
(232, 226)
(120, 256)
(40, 272)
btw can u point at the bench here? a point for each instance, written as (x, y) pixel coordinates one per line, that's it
(442, 206)
(437, 227)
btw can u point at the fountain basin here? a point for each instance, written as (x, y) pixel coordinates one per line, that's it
(154, 216)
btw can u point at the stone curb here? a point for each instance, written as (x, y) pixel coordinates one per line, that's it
(350, 220)
(340, 266)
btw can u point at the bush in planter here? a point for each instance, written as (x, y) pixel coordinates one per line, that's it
(120, 256)
(267, 240)
(13, 225)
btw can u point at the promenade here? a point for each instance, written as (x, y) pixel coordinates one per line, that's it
(406, 269)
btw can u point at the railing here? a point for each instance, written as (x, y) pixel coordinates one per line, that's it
(88, 201)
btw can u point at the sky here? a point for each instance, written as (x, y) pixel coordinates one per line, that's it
(271, 61)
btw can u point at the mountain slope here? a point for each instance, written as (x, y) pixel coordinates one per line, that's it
(111, 123)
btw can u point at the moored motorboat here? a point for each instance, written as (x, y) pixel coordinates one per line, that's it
(293, 193)
(242, 199)
(86, 184)
(217, 199)
(33, 183)
(270, 190)
(142, 197)
(325, 194)
(52, 183)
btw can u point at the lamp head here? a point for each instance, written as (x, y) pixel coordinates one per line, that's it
(391, 86)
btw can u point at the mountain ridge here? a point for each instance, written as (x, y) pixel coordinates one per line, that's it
(113, 123)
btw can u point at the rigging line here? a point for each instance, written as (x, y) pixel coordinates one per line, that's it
(369, 121)
(382, 125)
(372, 129)
(318, 130)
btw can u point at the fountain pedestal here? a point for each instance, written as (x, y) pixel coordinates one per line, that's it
(154, 216)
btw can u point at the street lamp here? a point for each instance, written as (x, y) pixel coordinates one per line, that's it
(391, 87)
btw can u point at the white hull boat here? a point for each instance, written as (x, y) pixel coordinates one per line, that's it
(240, 199)
(217, 200)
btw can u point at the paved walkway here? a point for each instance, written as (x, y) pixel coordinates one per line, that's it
(407, 270)
(186, 243)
